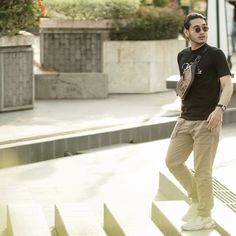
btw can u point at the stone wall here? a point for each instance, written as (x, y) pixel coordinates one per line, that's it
(72, 46)
(76, 51)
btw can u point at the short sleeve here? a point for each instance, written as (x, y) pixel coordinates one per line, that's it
(221, 64)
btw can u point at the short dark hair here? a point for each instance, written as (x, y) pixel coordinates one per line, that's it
(191, 16)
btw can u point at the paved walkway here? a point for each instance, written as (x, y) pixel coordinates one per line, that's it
(54, 117)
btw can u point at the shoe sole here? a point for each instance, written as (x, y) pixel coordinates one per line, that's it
(209, 225)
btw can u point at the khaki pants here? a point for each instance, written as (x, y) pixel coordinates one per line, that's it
(186, 137)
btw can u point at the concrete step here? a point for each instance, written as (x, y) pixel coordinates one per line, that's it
(75, 219)
(225, 218)
(167, 216)
(125, 220)
(58, 144)
(170, 188)
(26, 220)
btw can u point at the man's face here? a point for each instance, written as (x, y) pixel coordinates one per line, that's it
(197, 32)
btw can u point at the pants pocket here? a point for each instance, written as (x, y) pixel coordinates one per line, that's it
(178, 124)
(204, 136)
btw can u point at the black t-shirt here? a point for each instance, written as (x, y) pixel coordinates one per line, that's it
(205, 91)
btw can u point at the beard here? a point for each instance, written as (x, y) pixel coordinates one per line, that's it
(196, 41)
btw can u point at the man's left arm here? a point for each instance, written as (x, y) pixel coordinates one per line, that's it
(216, 117)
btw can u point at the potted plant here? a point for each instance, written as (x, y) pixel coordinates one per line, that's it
(16, 54)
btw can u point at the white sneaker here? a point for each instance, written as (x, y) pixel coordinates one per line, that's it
(191, 213)
(199, 223)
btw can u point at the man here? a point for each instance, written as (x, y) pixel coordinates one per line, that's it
(198, 127)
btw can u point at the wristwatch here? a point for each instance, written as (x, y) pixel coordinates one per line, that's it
(223, 107)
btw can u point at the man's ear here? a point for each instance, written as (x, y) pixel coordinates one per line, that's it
(186, 33)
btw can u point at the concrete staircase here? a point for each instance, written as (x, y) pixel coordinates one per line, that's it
(119, 218)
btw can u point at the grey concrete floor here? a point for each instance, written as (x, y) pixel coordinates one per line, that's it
(54, 117)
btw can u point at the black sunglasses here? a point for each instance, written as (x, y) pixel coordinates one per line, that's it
(205, 28)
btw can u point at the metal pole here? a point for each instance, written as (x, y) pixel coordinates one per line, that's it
(217, 24)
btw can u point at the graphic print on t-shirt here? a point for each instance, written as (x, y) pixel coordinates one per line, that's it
(186, 66)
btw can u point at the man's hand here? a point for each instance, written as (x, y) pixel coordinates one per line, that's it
(215, 118)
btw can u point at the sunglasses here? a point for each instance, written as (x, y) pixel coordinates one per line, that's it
(205, 28)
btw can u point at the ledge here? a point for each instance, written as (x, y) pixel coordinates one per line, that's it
(22, 39)
(71, 85)
(51, 23)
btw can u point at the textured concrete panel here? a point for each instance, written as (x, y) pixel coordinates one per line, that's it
(16, 78)
(138, 66)
(72, 46)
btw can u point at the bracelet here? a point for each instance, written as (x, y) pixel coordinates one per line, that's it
(223, 107)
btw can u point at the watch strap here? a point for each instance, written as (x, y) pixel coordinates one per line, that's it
(223, 107)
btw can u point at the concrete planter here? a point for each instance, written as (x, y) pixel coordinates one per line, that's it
(16, 77)
(73, 50)
(140, 66)
(72, 46)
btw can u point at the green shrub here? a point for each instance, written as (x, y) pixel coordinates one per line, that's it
(160, 3)
(92, 9)
(117, 9)
(143, 22)
(16, 15)
(71, 9)
(150, 23)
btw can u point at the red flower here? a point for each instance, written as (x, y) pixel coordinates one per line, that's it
(42, 8)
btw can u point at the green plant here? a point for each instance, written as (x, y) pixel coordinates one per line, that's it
(160, 3)
(91, 9)
(143, 22)
(150, 23)
(117, 9)
(16, 15)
